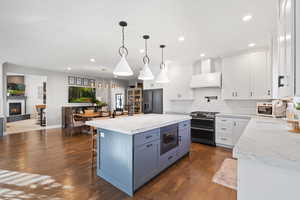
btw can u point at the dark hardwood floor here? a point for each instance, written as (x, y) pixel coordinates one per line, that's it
(50, 164)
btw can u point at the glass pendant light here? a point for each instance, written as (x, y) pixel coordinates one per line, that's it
(122, 68)
(162, 76)
(145, 73)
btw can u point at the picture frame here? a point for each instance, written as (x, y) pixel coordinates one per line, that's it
(79, 81)
(92, 83)
(86, 82)
(72, 80)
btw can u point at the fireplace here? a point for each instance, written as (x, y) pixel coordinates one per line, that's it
(15, 109)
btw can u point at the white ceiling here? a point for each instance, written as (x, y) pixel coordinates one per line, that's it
(56, 34)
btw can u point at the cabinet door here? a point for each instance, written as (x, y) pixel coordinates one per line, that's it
(229, 78)
(184, 141)
(146, 162)
(260, 76)
(236, 78)
(239, 126)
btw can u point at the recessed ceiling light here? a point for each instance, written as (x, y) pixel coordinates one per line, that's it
(142, 50)
(92, 60)
(202, 55)
(247, 18)
(251, 45)
(69, 68)
(181, 39)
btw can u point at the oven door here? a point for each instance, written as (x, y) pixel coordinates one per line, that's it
(168, 138)
(203, 131)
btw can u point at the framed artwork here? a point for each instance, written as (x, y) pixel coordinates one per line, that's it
(86, 82)
(92, 82)
(72, 80)
(78, 81)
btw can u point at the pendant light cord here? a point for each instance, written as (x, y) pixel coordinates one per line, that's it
(123, 50)
(146, 58)
(162, 65)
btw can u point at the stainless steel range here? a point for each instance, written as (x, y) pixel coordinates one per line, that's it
(203, 127)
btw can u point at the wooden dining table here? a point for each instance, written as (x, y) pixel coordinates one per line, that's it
(88, 116)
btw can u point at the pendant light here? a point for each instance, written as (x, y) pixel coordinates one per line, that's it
(162, 76)
(145, 73)
(122, 68)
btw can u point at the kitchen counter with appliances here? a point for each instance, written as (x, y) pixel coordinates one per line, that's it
(268, 160)
(132, 150)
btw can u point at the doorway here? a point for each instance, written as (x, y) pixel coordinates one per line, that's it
(25, 102)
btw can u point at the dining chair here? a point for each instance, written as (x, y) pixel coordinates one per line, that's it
(77, 122)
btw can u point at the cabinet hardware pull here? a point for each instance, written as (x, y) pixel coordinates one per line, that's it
(149, 136)
(223, 138)
(223, 129)
(149, 145)
(269, 92)
(170, 157)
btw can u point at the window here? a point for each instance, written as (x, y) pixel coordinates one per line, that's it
(119, 102)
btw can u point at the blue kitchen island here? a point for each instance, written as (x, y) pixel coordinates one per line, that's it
(132, 150)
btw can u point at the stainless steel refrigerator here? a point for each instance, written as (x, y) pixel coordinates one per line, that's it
(153, 101)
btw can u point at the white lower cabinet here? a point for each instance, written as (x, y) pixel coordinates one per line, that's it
(229, 130)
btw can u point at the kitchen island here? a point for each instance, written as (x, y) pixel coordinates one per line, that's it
(268, 161)
(132, 150)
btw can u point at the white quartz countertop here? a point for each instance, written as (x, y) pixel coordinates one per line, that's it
(268, 140)
(138, 123)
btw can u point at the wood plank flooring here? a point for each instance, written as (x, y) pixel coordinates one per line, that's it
(51, 164)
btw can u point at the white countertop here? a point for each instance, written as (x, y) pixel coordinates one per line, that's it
(232, 115)
(139, 123)
(268, 140)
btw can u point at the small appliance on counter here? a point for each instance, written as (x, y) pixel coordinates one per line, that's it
(276, 109)
(203, 127)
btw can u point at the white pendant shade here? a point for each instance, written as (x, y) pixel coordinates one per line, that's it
(162, 77)
(145, 73)
(123, 69)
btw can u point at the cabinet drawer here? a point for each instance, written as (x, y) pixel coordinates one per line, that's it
(167, 159)
(224, 140)
(224, 123)
(224, 129)
(145, 137)
(185, 124)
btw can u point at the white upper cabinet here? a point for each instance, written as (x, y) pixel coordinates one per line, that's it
(247, 76)
(286, 48)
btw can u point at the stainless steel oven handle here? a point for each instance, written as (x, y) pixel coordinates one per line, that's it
(200, 118)
(203, 129)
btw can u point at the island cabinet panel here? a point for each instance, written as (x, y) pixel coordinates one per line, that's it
(184, 141)
(145, 162)
(115, 151)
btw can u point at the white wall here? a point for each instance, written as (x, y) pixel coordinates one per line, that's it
(180, 76)
(34, 92)
(57, 89)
